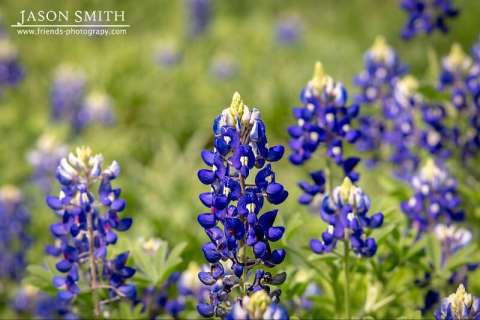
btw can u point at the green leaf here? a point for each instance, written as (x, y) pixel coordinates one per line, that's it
(434, 251)
(432, 93)
(41, 275)
(155, 266)
(462, 257)
(433, 66)
(125, 310)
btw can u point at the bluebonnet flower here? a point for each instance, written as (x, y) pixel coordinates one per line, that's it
(289, 30)
(425, 16)
(88, 209)
(476, 51)
(323, 120)
(167, 54)
(14, 237)
(257, 306)
(158, 301)
(235, 222)
(71, 103)
(345, 211)
(97, 107)
(459, 305)
(67, 93)
(460, 77)
(402, 131)
(30, 302)
(382, 66)
(11, 72)
(452, 238)
(199, 16)
(171, 296)
(435, 199)
(382, 69)
(223, 67)
(435, 135)
(44, 159)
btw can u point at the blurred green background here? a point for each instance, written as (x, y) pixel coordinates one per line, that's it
(164, 115)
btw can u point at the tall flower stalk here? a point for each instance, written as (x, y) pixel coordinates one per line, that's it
(88, 208)
(240, 237)
(326, 119)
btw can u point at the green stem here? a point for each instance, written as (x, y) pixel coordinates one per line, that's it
(346, 257)
(329, 176)
(93, 267)
(243, 249)
(308, 263)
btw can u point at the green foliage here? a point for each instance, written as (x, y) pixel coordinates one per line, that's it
(155, 267)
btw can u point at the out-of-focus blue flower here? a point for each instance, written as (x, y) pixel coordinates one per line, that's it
(460, 77)
(97, 107)
(167, 54)
(11, 72)
(435, 199)
(425, 16)
(378, 80)
(234, 223)
(458, 306)
(88, 208)
(44, 159)
(323, 120)
(476, 51)
(67, 93)
(223, 67)
(289, 30)
(452, 239)
(382, 66)
(72, 105)
(346, 212)
(29, 302)
(402, 132)
(199, 16)
(257, 306)
(14, 237)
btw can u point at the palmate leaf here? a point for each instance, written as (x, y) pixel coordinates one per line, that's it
(41, 275)
(468, 254)
(434, 252)
(125, 310)
(155, 267)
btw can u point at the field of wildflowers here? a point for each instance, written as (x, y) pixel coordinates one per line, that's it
(241, 160)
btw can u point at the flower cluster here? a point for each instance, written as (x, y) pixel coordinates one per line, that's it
(11, 72)
(324, 119)
(71, 103)
(235, 224)
(223, 67)
(435, 199)
(425, 16)
(402, 132)
(377, 83)
(199, 16)
(289, 30)
(460, 77)
(44, 159)
(171, 296)
(345, 211)
(382, 66)
(459, 305)
(89, 220)
(452, 238)
(30, 302)
(14, 238)
(167, 54)
(257, 306)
